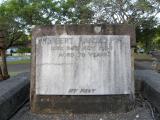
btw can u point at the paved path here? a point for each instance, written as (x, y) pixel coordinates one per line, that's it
(143, 65)
(150, 85)
(15, 69)
(19, 67)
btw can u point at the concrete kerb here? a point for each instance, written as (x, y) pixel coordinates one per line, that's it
(149, 81)
(14, 92)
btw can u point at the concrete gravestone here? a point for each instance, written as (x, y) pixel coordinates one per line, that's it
(84, 66)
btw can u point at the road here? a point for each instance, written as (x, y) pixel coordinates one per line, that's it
(143, 65)
(18, 67)
(14, 69)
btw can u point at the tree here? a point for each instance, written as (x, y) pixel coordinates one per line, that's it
(140, 13)
(10, 34)
(20, 15)
(17, 17)
(3, 67)
(124, 11)
(146, 33)
(156, 38)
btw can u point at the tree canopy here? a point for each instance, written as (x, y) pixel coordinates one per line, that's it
(18, 16)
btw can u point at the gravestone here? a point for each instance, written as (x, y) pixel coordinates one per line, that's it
(82, 68)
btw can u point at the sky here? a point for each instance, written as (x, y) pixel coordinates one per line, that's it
(1, 1)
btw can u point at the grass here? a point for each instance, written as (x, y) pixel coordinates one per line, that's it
(19, 62)
(143, 57)
(14, 73)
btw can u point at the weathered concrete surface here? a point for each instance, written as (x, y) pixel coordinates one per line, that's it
(83, 65)
(150, 86)
(83, 104)
(60, 103)
(13, 94)
(84, 29)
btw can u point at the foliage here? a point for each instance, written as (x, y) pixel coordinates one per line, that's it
(124, 11)
(140, 13)
(24, 50)
(18, 16)
(19, 62)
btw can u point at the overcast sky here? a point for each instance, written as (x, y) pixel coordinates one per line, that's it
(1, 1)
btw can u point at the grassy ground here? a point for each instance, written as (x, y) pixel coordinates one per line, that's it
(19, 62)
(14, 73)
(143, 57)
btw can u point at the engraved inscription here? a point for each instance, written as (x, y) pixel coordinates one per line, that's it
(83, 91)
(83, 65)
(92, 47)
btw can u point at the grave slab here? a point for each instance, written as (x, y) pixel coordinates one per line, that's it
(82, 68)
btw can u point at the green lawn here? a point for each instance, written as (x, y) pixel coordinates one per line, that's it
(14, 73)
(143, 57)
(20, 62)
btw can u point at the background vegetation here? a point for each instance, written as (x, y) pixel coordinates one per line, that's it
(17, 17)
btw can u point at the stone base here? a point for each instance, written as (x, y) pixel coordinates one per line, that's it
(152, 96)
(151, 86)
(82, 104)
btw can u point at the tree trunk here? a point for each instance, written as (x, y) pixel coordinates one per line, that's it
(4, 65)
(1, 75)
(3, 69)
